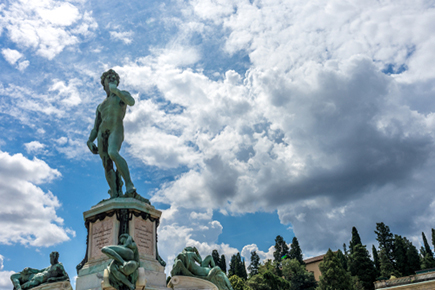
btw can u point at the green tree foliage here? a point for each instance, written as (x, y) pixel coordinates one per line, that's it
(400, 257)
(255, 263)
(238, 283)
(223, 264)
(215, 255)
(242, 270)
(299, 278)
(333, 277)
(361, 266)
(376, 261)
(275, 282)
(295, 251)
(258, 282)
(345, 252)
(386, 248)
(428, 260)
(433, 237)
(356, 240)
(387, 267)
(342, 258)
(233, 266)
(237, 267)
(427, 248)
(266, 279)
(356, 284)
(385, 239)
(281, 250)
(413, 258)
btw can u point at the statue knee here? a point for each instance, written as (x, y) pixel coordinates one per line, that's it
(113, 154)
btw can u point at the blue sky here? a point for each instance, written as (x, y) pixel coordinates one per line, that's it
(252, 119)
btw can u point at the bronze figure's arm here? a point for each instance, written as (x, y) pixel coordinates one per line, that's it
(123, 95)
(94, 133)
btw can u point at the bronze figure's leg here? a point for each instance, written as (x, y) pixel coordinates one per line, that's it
(115, 142)
(103, 139)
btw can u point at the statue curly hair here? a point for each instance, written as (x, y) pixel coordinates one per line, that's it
(109, 72)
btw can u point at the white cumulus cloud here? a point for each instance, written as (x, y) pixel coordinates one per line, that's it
(28, 215)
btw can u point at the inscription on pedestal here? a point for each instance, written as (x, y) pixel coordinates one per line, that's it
(101, 235)
(144, 236)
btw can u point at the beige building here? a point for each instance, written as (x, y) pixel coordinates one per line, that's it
(312, 265)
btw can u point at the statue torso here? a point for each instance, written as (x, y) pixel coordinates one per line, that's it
(112, 111)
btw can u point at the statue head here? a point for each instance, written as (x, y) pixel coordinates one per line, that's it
(25, 274)
(110, 72)
(123, 239)
(54, 258)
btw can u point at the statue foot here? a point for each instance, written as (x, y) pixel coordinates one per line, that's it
(113, 195)
(131, 192)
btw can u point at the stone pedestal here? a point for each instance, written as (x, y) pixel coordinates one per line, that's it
(105, 222)
(190, 283)
(140, 284)
(63, 285)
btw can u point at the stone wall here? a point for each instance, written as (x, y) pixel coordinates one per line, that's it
(415, 282)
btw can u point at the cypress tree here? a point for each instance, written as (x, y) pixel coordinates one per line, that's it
(433, 237)
(281, 251)
(361, 266)
(376, 261)
(400, 255)
(255, 263)
(233, 266)
(223, 264)
(387, 268)
(428, 260)
(295, 251)
(242, 270)
(414, 263)
(345, 252)
(356, 240)
(333, 275)
(385, 239)
(215, 255)
(342, 258)
(427, 248)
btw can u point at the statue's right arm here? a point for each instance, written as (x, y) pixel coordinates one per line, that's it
(94, 133)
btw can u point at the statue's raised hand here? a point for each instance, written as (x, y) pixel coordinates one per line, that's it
(92, 147)
(113, 88)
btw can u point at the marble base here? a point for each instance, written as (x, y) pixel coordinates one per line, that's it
(105, 221)
(63, 285)
(190, 283)
(140, 284)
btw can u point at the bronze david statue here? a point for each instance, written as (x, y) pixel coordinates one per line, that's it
(109, 132)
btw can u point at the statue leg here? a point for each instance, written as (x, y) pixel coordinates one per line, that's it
(108, 165)
(208, 261)
(179, 269)
(120, 254)
(121, 277)
(115, 142)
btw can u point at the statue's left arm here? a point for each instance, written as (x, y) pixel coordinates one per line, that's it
(15, 278)
(123, 95)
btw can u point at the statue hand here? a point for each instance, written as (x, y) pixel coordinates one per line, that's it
(92, 147)
(112, 87)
